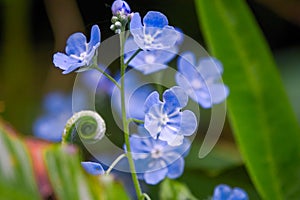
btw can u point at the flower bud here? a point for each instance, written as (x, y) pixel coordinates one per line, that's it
(120, 6)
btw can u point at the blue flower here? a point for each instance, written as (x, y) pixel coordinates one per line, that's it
(154, 33)
(120, 7)
(148, 61)
(58, 109)
(224, 192)
(93, 168)
(201, 81)
(155, 159)
(79, 53)
(165, 120)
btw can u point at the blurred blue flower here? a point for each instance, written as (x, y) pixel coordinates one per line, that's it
(148, 61)
(93, 168)
(79, 53)
(58, 109)
(92, 78)
(154, 33)
(136, 93)
(165, 120)
(201, 81)
(155, 159)
(224, 192)
(120, 7)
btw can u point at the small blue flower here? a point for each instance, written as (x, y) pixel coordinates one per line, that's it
(148, 61)
(58, 109)
(120, 7)
(201, 81)
(79, 53)
(165, 120)
(154, 33)
(155, 159)
(224, 192)
(93, 168)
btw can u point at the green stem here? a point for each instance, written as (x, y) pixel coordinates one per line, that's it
(115, 162)
(135, 53)
(136, 183)
(107, 75)
(135, 120)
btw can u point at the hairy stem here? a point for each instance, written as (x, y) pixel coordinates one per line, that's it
(114, 163)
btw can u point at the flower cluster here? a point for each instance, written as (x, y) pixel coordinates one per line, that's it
(158, 149)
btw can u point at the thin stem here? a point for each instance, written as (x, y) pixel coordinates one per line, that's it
(115, 162)
(135, 53)
(125, 122)
(135, 120)
(146, 196)
(107, 75)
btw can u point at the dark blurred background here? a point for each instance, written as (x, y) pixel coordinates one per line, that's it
(32, 30)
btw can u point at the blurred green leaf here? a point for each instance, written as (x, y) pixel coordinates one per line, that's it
(71, 182)
(222, 157)
(263, 122)
(174, 190)
(17, 178)
(67, 177)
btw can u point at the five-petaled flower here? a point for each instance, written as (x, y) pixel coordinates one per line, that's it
(201, 81)
(224, 192)
(165, 120)
(79, 53)
(148, 61)
(155, 159)
(120, 7)
(154, 33)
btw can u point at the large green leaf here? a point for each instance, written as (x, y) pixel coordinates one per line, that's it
(263, 122)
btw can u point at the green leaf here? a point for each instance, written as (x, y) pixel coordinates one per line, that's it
(69, 181)
(263, 122)
(222, 157)
(17, 178)
(174, 190)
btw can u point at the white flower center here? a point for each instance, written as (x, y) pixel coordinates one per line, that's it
(148, 39)
(150, 59)
(164, 119)
(196, 84)
(157, 152)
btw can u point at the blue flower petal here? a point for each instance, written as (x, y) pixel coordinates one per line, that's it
(218, 92)
(183, 82)
(152, 120)
(136, 24)
(64, 62)
(238, 194)
(172, 103)
(221, 192)
(176, 168)
(95, 38)
(210, 68)
(93, 168)
(188, 123)
(154, 177)
(155, 19)
(152, 99)
(76, 44)
(140, 147)
(172, 139)
(181, 95)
